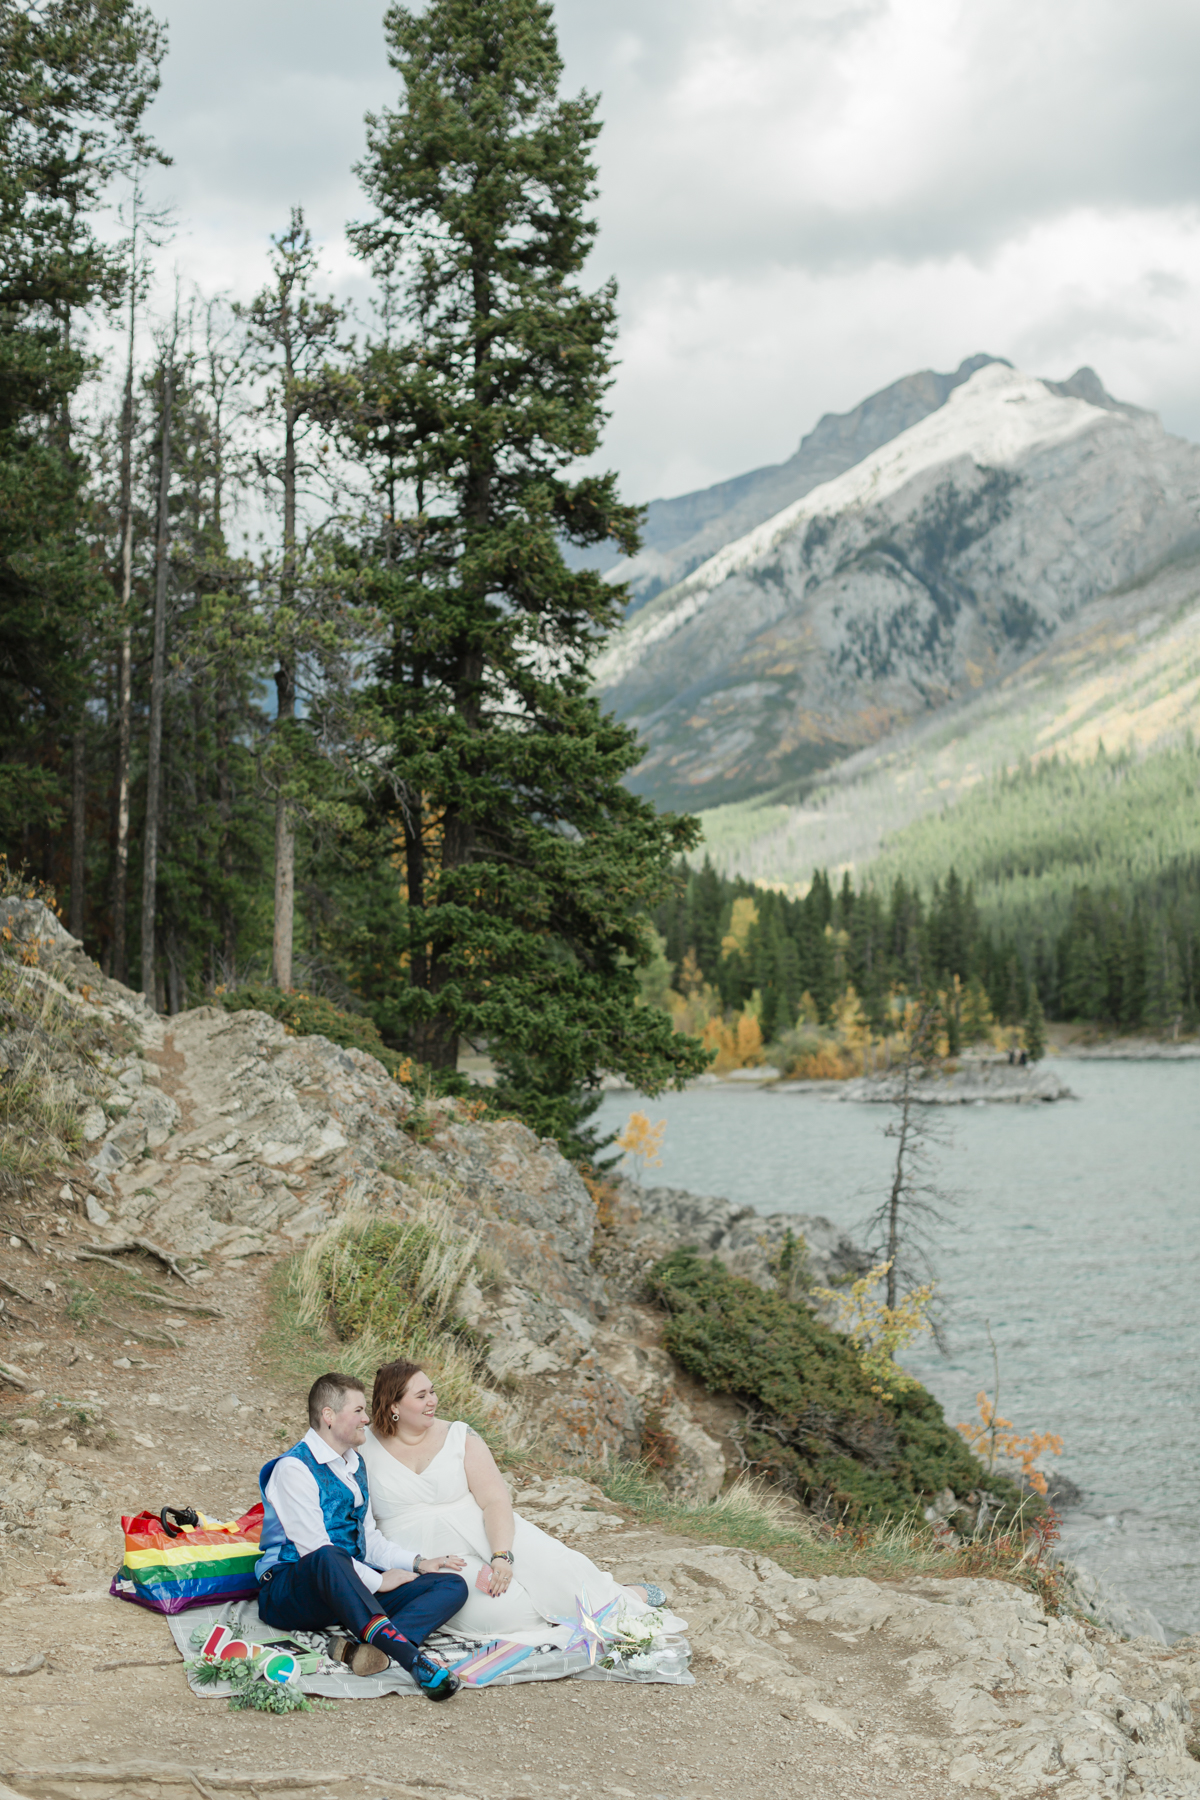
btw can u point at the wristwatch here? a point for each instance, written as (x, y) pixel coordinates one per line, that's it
(417, 1565)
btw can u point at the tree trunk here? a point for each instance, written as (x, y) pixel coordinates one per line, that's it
(125, 651)
(285, 688)
(157, 680)
(78, 829)
(285, 849)
(225, 842)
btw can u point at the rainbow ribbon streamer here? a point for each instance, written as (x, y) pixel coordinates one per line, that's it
(493, 1660)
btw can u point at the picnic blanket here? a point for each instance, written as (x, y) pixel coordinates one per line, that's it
(495, 1665)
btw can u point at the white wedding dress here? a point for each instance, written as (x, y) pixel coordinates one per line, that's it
(435, 1514)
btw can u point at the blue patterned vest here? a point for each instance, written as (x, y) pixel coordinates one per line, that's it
(345, 1520)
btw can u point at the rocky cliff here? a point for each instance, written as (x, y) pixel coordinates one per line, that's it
(930, 570)
(220, 1138)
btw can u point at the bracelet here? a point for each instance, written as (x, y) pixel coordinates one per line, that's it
(507, 1555)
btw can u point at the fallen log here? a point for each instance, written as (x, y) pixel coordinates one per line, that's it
(128, 1246)
(171, 1304)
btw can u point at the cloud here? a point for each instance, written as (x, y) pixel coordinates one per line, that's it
(801, 199)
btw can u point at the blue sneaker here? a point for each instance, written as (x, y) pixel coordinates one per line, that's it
(434, 1679)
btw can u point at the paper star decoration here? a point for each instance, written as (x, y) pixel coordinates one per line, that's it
(587, 1627)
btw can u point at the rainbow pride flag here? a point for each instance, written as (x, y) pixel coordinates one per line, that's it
(203, 1565)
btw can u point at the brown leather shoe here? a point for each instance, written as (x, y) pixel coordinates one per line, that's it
(360, 1659)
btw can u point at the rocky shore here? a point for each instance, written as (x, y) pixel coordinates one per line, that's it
(974, 1081)
(977, 1082)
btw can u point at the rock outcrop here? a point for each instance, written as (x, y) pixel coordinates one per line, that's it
(221, 1136)
(1025, 1703)
(658, 1219)
(974, 1083)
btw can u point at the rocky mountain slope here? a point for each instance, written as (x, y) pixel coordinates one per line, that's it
(1124, 675)
(681, 533)
(927, 574)
(223, 1140)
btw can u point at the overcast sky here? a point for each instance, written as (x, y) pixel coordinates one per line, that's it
(801, 199)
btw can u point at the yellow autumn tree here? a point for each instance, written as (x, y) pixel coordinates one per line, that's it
(878, 1330)
(977, 1021)
(743, 919)
(1002, 1437)
(642, 1142)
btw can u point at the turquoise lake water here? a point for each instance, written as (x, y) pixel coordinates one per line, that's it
(1075, 1232)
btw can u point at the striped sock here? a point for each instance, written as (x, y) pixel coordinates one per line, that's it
(383, 1633)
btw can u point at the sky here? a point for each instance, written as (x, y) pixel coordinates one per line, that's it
(801, 200)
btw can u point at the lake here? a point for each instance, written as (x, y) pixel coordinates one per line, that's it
(1075, 1232)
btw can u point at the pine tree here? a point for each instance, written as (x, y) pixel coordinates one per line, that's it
(75, 79)
(292, 335)
(977, 1018)
(1035, 1027)
(529, 867)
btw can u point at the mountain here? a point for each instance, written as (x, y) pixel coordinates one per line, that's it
(681, 534)
(1121, 680)
(929, 571)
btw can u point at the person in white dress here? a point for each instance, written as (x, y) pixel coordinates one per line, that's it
(436, 1483)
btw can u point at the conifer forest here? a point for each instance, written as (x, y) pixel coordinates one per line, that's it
(294, 690)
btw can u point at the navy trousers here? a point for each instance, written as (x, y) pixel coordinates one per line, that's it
(323, 1589)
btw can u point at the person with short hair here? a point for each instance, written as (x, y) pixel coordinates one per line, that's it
(325, 1562)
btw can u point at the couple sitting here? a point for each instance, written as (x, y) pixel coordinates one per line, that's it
(437, 1494)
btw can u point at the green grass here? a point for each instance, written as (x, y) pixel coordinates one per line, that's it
(749, 1515)
(38, 1131)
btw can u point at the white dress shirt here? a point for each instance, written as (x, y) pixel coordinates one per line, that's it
(293, 1492)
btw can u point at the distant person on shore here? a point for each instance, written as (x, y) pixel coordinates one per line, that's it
(325, 1563)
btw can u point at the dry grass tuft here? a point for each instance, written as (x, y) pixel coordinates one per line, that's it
(374, 1287)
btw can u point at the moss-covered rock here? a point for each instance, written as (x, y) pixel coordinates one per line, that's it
(814, 1423)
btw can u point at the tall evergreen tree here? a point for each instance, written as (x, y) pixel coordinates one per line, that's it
(528, 864)
(75, 79)
(291, 334)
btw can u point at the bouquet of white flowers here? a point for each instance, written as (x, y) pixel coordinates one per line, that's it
(635, 1639)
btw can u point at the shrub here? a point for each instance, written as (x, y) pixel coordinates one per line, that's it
(814, 1424)
(309, 1016)
(387, 1287)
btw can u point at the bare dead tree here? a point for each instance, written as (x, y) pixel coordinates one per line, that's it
(900, 1229)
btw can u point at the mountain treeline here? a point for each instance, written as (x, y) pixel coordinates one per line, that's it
(294, 675)
(1123, 957)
